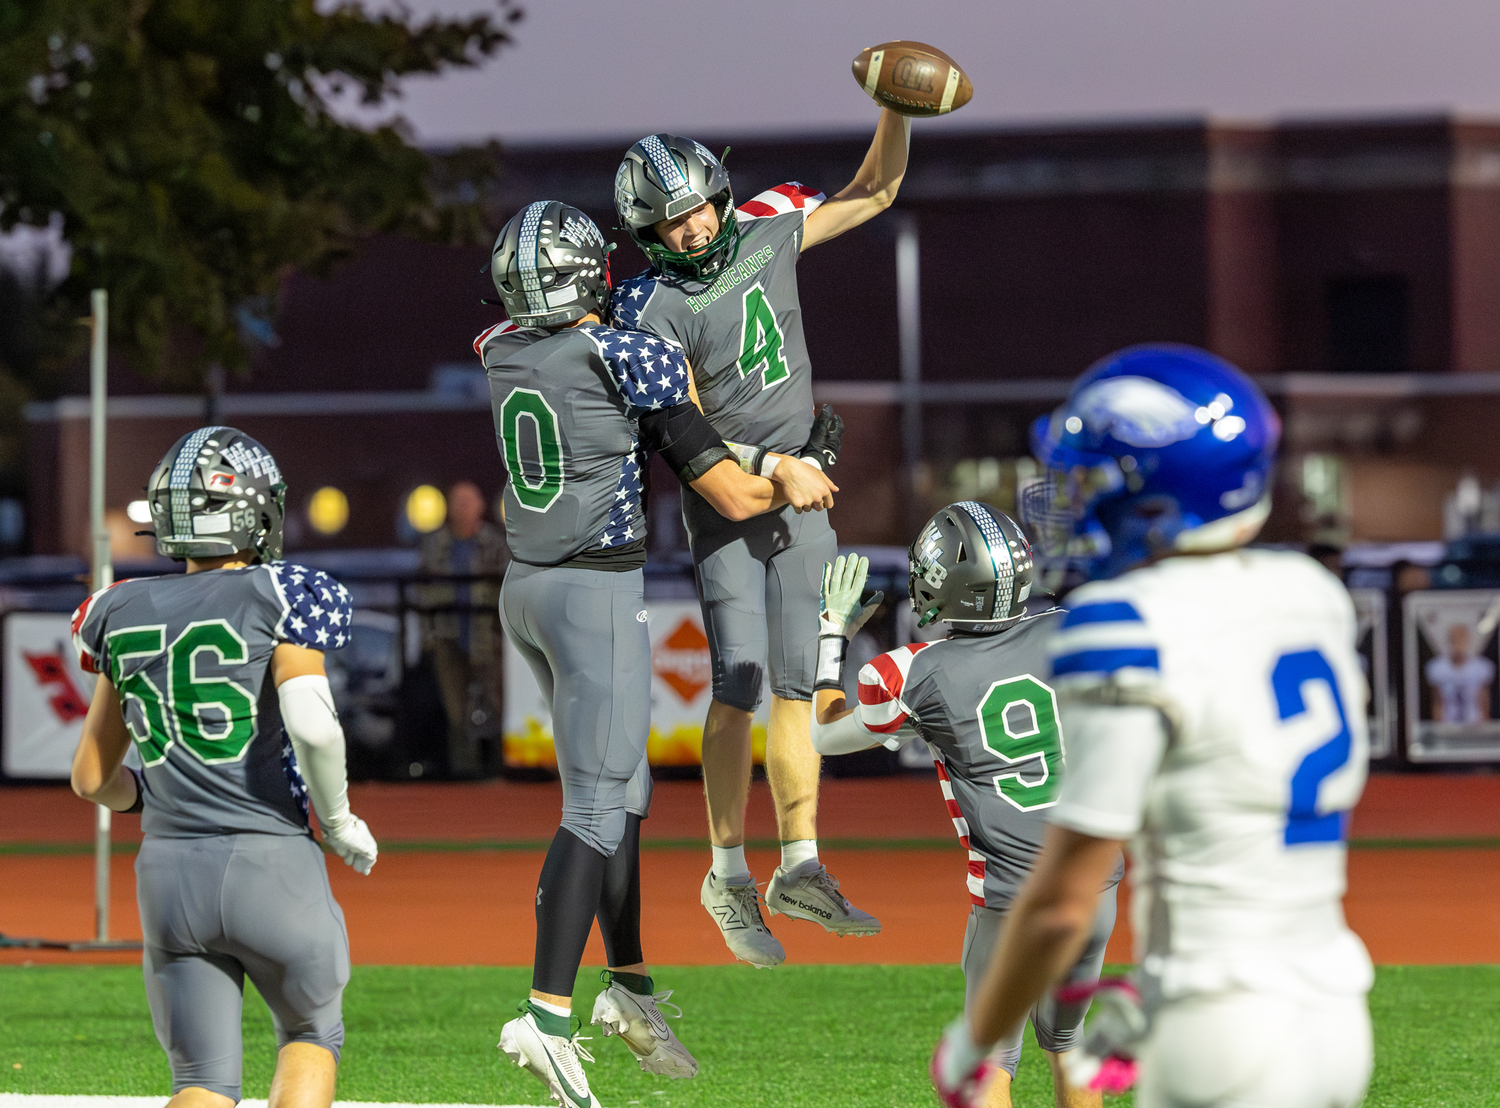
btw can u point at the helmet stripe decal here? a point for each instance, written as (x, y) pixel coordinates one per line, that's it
(994, 538)
(528, 257)
(179, 481)
(667, 171)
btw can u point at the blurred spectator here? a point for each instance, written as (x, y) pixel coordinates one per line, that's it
(1460, 679)
(461, 628)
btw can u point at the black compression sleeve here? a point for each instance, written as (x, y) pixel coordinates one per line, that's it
(686, 440)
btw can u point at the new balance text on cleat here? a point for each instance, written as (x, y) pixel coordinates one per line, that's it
(639, 1022)
(552, 1059)
(736, 909)
(812, 893)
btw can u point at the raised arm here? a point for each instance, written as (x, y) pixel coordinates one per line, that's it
(873, 188)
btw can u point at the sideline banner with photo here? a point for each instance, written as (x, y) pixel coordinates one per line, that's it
(1372, 641)
(681, 688)
(1452, 655)
(46, 696)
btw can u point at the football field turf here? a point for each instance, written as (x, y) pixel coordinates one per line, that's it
(797, 1036)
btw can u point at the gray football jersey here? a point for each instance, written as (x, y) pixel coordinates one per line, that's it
(986, 706)
(742, 329)
(190, 656)
(565, 405)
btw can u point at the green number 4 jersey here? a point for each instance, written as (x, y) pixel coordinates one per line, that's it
(740, 328)
(985, 704)
(190, 656)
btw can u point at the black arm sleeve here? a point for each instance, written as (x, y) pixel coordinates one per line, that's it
(685, 439)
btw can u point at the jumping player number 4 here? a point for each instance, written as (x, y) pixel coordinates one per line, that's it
(761, 340)
(183, 714)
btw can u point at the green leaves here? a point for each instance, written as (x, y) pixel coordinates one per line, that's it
(193, 150)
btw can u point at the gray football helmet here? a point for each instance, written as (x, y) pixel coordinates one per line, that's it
(550, 266)
(217, 492)
(663, 177)
(971, 567)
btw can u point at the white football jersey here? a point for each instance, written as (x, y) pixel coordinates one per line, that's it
(1215, 708)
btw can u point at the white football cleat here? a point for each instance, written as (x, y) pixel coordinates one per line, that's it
(552, 1059)
(638, 1021)
(736, 909)
(812, 893)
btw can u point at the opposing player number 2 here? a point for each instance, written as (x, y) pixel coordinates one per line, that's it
(1290, 677)
(1018, 720)
(761, 340)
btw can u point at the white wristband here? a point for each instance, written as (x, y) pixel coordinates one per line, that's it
(768, 465)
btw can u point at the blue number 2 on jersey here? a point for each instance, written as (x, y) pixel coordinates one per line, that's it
(1304, 824)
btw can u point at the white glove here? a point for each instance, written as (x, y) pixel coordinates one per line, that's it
(839, 609)
(351, 840)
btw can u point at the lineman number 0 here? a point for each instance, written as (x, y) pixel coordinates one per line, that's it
(1018, 719)
(533, 490)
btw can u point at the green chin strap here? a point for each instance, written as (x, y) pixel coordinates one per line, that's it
(703, 263)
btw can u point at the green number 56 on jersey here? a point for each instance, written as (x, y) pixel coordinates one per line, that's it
(214, 717)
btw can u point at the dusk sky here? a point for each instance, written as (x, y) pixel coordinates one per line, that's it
(585, 69)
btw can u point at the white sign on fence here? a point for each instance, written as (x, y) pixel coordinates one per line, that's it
(46, 696)
(681, 688)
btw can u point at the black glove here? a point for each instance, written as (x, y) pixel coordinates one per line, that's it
(826, 438)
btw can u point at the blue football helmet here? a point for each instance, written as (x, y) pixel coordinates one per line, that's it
(1158, 449)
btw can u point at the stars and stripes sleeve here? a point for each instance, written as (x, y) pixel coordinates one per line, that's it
(782, 200)
(629, 310)
(489, 333)
(651, 374)
(882, 711)
(316, 609)
(88, 633)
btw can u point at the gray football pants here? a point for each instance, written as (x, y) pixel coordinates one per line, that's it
(218, 908)
(759, 582)
(583, 633)
(1058, 1027)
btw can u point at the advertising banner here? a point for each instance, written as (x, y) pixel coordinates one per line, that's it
(681, 688)
(1452, 713)
(1372, 641)
(46, 696)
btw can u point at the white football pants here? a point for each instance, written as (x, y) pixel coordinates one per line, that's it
(1252, 1050)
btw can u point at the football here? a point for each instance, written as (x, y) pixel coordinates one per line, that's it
(912, 78)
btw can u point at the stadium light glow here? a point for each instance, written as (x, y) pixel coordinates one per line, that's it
(426, 508)
(138, 511)
(328, 510)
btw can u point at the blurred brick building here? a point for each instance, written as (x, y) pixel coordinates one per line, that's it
(1354, 266)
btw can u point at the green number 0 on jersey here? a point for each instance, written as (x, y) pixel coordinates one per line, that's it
(539, 494)
(761, 340)
(213, 741)
(1018, 719)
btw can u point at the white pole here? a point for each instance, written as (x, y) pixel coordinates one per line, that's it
(104, 570)
(909, 330)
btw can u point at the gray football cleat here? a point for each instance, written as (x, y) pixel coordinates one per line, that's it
(551, 1058)
(812, 893)
(639, 1022)
(736, 909)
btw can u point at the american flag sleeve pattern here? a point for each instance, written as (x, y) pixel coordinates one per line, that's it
(316, 609)
(881, 711)
(793, 196)
(650, 372)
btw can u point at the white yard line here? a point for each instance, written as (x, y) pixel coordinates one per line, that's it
(26, 1100)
